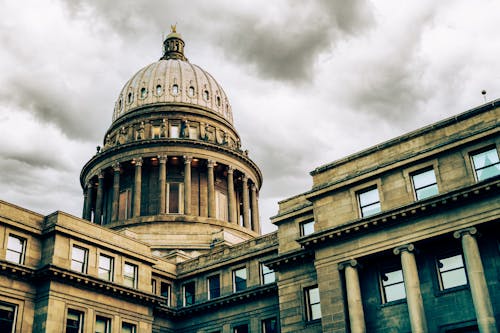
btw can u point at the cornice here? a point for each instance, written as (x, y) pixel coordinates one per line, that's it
(403, 214)
(294, 257)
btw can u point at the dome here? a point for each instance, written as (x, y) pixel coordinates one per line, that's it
(173, 79)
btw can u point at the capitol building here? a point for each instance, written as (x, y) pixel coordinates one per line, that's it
(399, 237)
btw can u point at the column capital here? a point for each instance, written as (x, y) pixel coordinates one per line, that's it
(187, 159)
(210, 163)
(230, 169)
(89, 183)
(163, 158)
(403, 248)
(116, 167)
(467, 231)
(253, 187)
(137, 161)
(353, 263)
(100, 174)
(244, 178)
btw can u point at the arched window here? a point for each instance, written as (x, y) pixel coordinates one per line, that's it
(130, 97)
(206, 95)
(144, 92)
(158, 89)
(191, 91)
(175, 89)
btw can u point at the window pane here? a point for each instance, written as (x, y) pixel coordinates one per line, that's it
(370, 210)
(102, 325)
(395, 292)
(314, 295)
(270, 325)
(424, 179)
(7, 317)
(454, 278)
(173, 198)
(450, 263)
(240, 279)
(427, 192)
(307, 228)
(13, 257)
(488, 172)
(389, 278)
(368, 197)
(315, 311)
(74, 322)
(15, 244)
(268, 275)
(128, 328)
(78, 254)
(486, 164)
(174, 131)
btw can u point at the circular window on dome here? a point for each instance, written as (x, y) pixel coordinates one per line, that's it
(206, 95)
(144, 92)
(191, 91)
(130, 97)
(175, 89)
(158, 89)
(218, 101)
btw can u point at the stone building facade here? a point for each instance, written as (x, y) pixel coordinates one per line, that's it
(401, 237)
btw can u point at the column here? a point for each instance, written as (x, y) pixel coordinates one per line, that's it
(116, 191)
(255, 210)
(162, 181)
(137, 186)
(477, 280)
(246, 222)
(412, 288)
(187, 185)
(353, 290)
(211, 189)
(230, 194)
(98, 199)
(90, 200)
(85, 201)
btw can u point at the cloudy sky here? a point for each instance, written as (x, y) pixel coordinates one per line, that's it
(309, 81)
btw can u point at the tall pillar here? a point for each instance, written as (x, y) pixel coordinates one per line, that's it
(412, 288)
(246, 221)
(187, 185)
(211, 189)
(85, 201)
(353, 290)
(255, 210)
(98, 199)
(90, 201)
(137, 186)
(162, 180)
(477, 281)
(116, 191)
(230, 194)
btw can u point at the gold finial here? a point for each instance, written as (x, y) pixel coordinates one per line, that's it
(173, 27)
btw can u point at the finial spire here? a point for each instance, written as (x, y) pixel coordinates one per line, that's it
(174, 45)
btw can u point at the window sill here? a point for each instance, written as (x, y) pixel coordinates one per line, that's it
(314, 322)
(396, 302)
(451, 290)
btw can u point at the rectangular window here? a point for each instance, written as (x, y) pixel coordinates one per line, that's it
(16, 247)
(270, 325)
(174, 198)
(312, 303)
(189, 291)
(486, 164)
(124, 205)
(105, 270)
(8, 314)
(165, 291)
(102, 324)
(128, 328)
(369, 202)
(240, 279)
(268, 275)
(307, 228)
(153, 286)
(424, 183)
(213, 283)
(130, 275)
(451, 271)
(221, 206)
(74, 321)
(79, 257)
(241, 329)
(193, 132)
(155, 132)
(174, 131)
(393, 286)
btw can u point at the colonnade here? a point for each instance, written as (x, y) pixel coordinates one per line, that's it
(475, 275)
(93, 195)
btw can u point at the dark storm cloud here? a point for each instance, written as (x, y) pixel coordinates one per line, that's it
(287, 48)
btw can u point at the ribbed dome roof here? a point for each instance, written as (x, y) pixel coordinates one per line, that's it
(173, 79)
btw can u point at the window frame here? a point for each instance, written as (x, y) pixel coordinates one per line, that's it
(264, 327)
(133, 326)
(302, 226)
(13, 320)
(180, 197)
(215, 277)
(439, 273)
(236, 284)
(478, 152)
(414, 186)
(107, 323)
(309, 305)
(238, 327)
(85, 263)
(111, 272)
(22, 254)
(134, 278)
(361, 207)
(184, 294)
(169, 291)
(81, 320)
(383, 288)
(265, 274)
